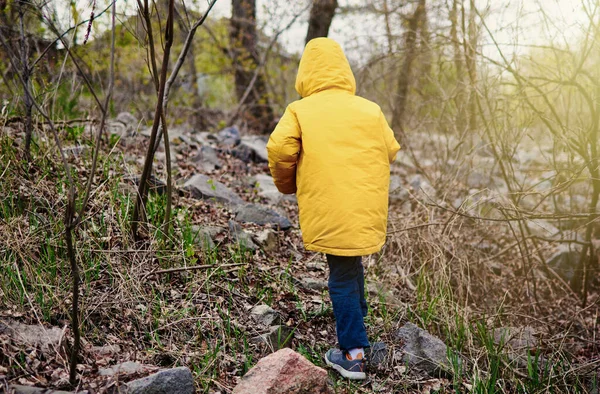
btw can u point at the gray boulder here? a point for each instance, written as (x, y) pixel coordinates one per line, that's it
(170, 381)
(204, 236)
(106, 350)
(252, 149)
(423, 351)
(126, 368)
(276, 338)
(516, 338)
(520, 345)
(203, 187)
(48, 340)
(261, 215)
(422, 188)
(124, 125)
(207, 159)
(311, 283)
(267, 189)
(397, 191)
(265, 315)
(241, 237)
(267, 239)
(565, 262)
(377, 354)
(127, 119)
(229, 136)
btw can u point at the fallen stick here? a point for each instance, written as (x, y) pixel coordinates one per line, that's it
(192, 268)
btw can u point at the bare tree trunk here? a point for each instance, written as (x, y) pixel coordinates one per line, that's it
(470, 45)
(458, 64)
(26, 73)
(410, 53)
(259, 113)
(426, 53)
(319, 21)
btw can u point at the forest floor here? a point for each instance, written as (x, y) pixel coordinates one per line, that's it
(460, 279)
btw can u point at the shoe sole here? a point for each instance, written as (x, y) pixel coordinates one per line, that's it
(345, 373)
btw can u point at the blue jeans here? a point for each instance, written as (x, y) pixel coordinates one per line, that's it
(347, 292)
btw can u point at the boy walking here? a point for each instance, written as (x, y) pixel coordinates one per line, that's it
(334, 149)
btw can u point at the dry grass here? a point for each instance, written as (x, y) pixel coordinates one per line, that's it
(456, 277)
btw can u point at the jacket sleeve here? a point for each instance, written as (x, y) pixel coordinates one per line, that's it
(390, 141)
(284, 149)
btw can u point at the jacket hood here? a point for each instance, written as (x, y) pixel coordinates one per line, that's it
(324, 66)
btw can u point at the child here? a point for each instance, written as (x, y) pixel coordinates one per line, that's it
(334, 149)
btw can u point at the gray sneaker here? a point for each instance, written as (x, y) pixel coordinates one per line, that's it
(350, 369)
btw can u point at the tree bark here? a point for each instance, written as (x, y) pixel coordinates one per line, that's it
(410, 53)
(319, 21)
(470, 44)
(258, 112)
(26, 73)
(458, 65)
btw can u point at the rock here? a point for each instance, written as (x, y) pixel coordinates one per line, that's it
(495, 267)
(126, 368)
(311, 283)
(316, 265)
(378, 290)
(127, 119)
(267, 189)
(397, 192)
(278, 337)
(229, 136)
(155, 185)
(480, 180)
(241, 237)
(520, 346)
(267, 239)
(565, 262)
(49, 340)
(124, 125)
(203, 187)
(204, 236)
(204, 138)
(107, 350)
(422, 350)
(284, 372)
(18, 389)
(377, 353)
(265, 315)
(180, 136)
(170, 381)
(251, 149)
(207, 159)
(74, 151)
(516, 338)
(261, 215)
(423, 189)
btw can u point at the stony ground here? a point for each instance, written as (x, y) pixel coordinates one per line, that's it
(232, 282)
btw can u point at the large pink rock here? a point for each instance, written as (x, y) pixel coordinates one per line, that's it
(284, 371)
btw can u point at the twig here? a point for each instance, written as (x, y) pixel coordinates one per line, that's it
(142, 194)
(104, 110)
(415, 227)
(184, 51)
(192, 268)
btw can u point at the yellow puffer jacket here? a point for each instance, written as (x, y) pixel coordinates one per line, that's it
(334, 149)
